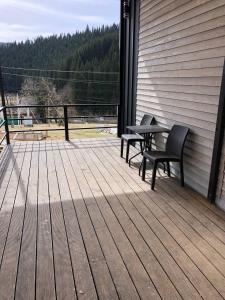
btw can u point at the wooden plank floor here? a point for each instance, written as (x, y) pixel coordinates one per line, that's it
(77, 223)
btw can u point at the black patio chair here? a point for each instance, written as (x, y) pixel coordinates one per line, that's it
(173, 153)
(132, 138)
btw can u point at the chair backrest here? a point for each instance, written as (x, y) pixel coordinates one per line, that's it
(147, 120)
(176, 139)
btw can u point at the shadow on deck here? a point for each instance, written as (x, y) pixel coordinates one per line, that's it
(77, 223)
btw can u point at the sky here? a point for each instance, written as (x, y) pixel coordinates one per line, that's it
(26, 19)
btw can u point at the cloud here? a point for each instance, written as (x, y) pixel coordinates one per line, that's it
(23, 19)
(91, 2)
(19, 32)
(35, 8)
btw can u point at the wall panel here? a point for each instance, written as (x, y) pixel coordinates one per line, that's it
(180, 63)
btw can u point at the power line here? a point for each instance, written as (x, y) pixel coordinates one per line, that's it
(86, 98)
(60, 71)
(12, 89)
(75, 101)
(92, 100)
(61, 79)
(96, 98)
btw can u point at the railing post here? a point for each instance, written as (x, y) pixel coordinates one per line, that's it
(66, 123)
(4, 107)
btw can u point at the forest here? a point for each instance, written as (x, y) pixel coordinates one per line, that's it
(80, 68)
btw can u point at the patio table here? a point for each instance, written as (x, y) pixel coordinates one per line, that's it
(147, 131)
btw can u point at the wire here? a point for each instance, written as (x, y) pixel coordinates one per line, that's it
(103, 99)
(60, 71)
(92, 100)
(12, 89)
(61, 79)
(86, 98)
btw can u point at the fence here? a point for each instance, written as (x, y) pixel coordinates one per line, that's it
(3, 110)
(4, 123)
(65, 119)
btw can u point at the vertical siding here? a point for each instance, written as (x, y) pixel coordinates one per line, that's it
(180, 60)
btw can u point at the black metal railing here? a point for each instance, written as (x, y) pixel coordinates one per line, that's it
(5, 137)
(65, 118)
(3, 110)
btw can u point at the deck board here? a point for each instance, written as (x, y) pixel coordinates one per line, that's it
(184, 257)
(25, 287)
(101, 274)
(77, 223)
(84, 280)
(156, 235)
(65, 285)
(8, 200)
(16, 206)
(45, 271)
(136, 270)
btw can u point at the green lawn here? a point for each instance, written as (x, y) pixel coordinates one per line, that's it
(74, 134)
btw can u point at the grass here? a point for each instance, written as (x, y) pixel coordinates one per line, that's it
(74, 134)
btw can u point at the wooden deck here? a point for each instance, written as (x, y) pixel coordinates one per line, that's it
(77, 223)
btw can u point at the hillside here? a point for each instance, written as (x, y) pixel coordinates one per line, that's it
(78, 54)
(53, 51)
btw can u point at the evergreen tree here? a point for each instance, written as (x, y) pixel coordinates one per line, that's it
(86, 57)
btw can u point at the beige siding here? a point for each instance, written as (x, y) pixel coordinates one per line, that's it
(181, 55)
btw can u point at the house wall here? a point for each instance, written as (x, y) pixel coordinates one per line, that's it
(180, 60)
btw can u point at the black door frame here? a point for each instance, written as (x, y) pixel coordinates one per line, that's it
(129, 29)
(218, 142)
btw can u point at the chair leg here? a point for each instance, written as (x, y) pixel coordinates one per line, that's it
(168, 168)
(154, 175)
(121, 147)
(140, 167)
(127, 154)
(141, 146)
(134, 157)
(181, 173)
(143, 168)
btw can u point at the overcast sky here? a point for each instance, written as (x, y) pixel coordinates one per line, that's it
(23, 19)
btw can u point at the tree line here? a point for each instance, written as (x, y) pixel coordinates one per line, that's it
(88, 62)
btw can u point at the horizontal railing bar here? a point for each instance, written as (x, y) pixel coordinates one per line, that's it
(34, 119)
(65, 118)
(60, 129)
(102, 127)
(61, 105)
(92, 117)
(36, 130)
(3, 123)
(61, 118)
(4, 136)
